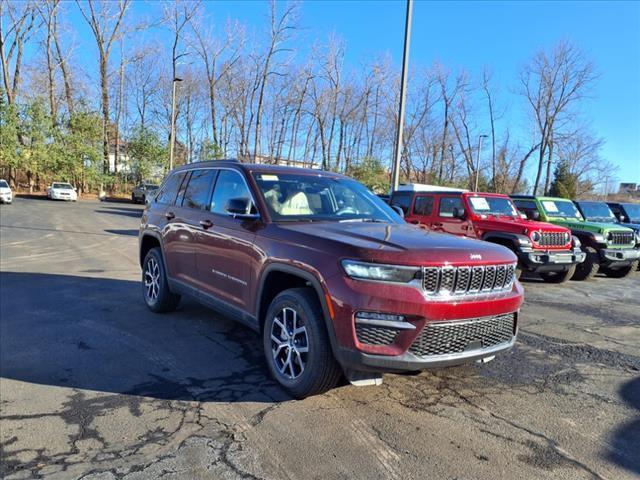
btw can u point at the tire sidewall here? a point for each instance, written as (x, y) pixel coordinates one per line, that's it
(162, 283)
(314, 337)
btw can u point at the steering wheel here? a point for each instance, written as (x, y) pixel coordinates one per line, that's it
(346, 210)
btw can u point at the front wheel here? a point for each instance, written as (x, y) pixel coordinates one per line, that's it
(155, 288)
(133, 198)
(558, 277)
(296, 344)
(621, 272)
(587, 269)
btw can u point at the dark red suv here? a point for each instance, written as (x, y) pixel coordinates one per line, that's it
(332, 277)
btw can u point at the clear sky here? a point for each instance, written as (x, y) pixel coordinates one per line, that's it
(501, 35)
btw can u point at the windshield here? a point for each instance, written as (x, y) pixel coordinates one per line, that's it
(633, 212)
(597, 211)
(561, 208)
(151, 187)
(304, 197)
(4, 184)
(493, 206)
(65, 186)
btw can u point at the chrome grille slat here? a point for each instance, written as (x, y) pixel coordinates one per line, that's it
(467, 280)
(621, 238)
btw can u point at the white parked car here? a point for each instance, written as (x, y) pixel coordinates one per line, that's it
(62, 191)
(6, 195)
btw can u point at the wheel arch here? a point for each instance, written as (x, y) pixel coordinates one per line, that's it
(285, 277)
(148, 241)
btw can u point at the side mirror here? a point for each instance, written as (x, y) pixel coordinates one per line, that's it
(459, 213)
(533, 215)
(622, 218)
(240, 208)
(398, 210)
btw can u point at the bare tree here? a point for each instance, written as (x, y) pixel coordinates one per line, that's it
(105, 20)
(552, 84)
(20, 20)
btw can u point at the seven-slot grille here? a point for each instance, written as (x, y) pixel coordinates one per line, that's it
(444, 338)
(552, 239)
(621, 238)
(446, 281)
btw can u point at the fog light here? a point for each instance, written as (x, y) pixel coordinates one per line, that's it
(379, 316)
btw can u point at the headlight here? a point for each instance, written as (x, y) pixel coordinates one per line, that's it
(374, 271)
(598, 237)
(535, 236)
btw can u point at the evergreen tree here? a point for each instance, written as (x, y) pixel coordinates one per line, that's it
(565, 183)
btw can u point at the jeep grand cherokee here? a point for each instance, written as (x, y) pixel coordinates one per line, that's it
(332, 277)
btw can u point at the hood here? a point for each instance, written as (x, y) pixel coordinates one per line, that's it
(391, 243)
(588, 225)
(5, 190)
(519, 224)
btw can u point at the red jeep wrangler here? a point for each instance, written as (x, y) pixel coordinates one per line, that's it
(546, 249)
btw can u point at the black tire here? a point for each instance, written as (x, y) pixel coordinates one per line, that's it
(621, 272)
(320, 371)
(144, 200)
(157, 297)
(587, 269)
(558, 277)
(133, 198)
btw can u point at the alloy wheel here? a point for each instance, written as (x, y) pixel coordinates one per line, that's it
(289, 343)
(152, 279)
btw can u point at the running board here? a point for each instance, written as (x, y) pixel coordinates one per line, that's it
(363, 379)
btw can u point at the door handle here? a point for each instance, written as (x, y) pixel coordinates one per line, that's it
(206, 224)
(170, 215)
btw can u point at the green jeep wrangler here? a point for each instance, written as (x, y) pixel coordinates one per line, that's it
(609, 247)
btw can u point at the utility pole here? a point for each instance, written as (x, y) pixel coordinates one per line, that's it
(395, 175)
(480, 137)
(172, 140)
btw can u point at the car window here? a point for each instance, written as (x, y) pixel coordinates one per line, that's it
(230, 184)
(62, 186)
(423, 205)
(4, 184)
(198, 189)
(447, 204)
(402, 201)
(170, 189)
(525, 204)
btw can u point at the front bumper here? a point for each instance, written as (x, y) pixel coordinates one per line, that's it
(360, 361)
(550, 261)
(619, 257)
(71, 198)
(6, 198)
(398, 351)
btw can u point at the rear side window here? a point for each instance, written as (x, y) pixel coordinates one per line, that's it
(230, 184)
(423, 206)
(525, 204)
(198, 190)
(170, 189)
(447, 204)
(402, 201)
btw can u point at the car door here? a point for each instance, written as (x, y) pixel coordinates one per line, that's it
(226, 251)
(445, 221)
(422, 210)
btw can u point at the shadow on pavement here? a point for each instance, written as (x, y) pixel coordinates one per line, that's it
(127, 212)
(97, 334)
(625, 440)
(132, 232)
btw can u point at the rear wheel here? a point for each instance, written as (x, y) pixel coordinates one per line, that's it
(621, 272)
(296, 344)
(133, 198)
(558, 277)
(587, 269)
(155, 288)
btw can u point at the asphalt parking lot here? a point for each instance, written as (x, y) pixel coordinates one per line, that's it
(95, 386)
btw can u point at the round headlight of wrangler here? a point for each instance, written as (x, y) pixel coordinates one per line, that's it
(535, 236)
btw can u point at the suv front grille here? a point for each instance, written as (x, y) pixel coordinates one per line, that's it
(552, 239)
(621, 238)
(374, 335)
(447, 281)
(445, 338)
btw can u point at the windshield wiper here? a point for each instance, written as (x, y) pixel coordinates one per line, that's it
(373, 220)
